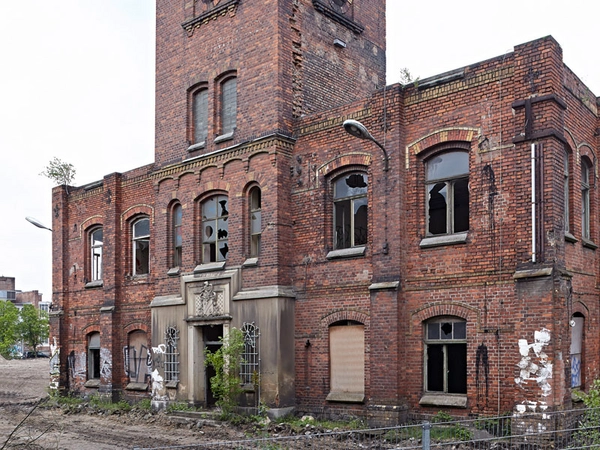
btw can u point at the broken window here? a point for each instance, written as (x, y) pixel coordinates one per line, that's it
(171, 354)
(249, 370)
(255, 221)
(177, 238)
(215, 232)
(200, 115)
(141, 247)
(576, 349)
(347, 361)
(448, 193)
(96, 254)
(446, 356)
(350, 210)
(93, 356)
(228, 105)
(585, 198)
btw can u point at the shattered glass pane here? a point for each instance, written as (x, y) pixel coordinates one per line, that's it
(438, 194)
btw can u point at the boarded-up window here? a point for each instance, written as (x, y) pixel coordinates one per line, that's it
(347, 362)
(137, 358)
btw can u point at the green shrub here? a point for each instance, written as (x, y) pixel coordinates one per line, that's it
(588, 433)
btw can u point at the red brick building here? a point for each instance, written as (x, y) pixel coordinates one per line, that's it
(447, 262)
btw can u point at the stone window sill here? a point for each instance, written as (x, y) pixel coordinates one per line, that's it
(224, 137)
(209, 267)
(588, 244)
(250, 262)
(136, 387)
(95, 383)
(195, 147)
(569, 237)
(173, 272)
(346, 253)
(94, 284)
(456, 400)
(346, 397)
(445, 239)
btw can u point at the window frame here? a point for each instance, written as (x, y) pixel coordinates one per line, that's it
(586, 173)
(227, 107)
(204, 220)
(360, 198)
(176, 235)
(96, 263)
(450, 182)
(171, 367)
(250, 362)
(566, 192)
(254, 221)
(199, 128)
(93, 354)
(444, 343)
(576, 353)
(137, 239)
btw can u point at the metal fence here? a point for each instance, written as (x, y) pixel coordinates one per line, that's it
(575, 429)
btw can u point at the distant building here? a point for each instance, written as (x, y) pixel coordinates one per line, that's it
(460, 273)
(19, 298)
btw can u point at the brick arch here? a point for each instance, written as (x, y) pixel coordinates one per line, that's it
(581, 308)
(440, 136)
(347, 159)
(457, 309)
(91, 328)
(135, 326)
(212, 187)
(135, 210)
(344, 314)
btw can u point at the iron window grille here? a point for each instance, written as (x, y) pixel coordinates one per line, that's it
(171, 354)
(249, 370)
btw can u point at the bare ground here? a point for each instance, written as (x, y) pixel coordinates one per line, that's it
(24, 424)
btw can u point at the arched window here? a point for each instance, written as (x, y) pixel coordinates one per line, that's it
(566, 216)
(96, 242)
(215, 231)
(141, 246)
(586, 170)
(446, 355)
(93, 354)
(137, 357)
(228, 106)
(200, 115)
(350, 210)
(447, 193)
(255, 221)
(177, 237)
(577, 322)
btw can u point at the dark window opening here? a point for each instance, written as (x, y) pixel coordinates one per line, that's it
(215, 229)
(350, 211)
(446, 356)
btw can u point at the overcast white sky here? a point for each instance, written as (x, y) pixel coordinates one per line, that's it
(77, 82)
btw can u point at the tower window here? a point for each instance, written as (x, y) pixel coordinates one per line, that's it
(141, 247)
(215, 230)
(350, 211)
(228, 106)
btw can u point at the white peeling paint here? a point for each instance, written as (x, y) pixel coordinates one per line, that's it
(105, 363)
(535, 367)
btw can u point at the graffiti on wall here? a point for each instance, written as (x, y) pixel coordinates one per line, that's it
(105, 363)
(77, 365)
(534, 364)
(138, 363)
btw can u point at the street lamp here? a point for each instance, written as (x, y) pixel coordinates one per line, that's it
(357, 129)
(37, 223)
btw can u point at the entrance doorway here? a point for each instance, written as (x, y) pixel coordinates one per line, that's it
(211, 335)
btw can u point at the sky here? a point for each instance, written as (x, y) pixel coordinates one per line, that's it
(77, 83)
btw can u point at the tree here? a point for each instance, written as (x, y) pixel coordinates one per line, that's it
(9, 319)
(60, 172)
(34, 327)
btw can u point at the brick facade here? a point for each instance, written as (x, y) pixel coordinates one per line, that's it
(514, 286)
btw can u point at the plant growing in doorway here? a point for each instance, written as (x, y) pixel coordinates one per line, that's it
(226, 384)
